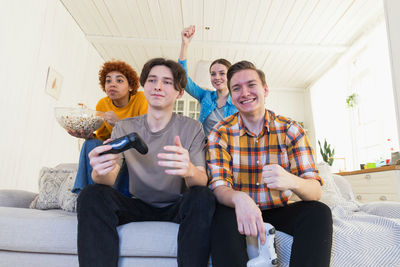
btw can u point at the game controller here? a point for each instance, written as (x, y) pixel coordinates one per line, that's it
(266, 256)
(132, 140)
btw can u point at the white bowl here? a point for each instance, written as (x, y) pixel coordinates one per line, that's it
(81, 120)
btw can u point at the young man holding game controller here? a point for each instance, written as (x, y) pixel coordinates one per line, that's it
(254, 158)
(168, 183)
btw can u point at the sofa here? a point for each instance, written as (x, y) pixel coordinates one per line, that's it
(364, 235)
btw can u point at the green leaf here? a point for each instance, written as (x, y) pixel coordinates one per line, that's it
(327, 152)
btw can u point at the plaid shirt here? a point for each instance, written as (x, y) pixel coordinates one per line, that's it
(236, 156)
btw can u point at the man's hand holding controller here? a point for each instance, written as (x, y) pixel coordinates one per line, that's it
(102, 163)
(103, 159)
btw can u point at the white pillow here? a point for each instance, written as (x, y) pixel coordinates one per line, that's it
(331, 194)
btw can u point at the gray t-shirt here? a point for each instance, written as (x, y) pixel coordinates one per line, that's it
(215, 116)
(147, 180)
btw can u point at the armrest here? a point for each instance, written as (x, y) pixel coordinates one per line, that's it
(16, 198)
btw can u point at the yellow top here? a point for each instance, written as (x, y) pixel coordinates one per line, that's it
(137, 106)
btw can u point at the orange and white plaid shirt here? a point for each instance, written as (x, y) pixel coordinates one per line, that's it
(236, 156)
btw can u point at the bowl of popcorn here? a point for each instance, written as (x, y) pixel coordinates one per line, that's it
(79, 122)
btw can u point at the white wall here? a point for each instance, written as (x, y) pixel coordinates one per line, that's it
(288, 102)
(36, 34)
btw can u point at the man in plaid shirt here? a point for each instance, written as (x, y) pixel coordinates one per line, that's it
(254, 158)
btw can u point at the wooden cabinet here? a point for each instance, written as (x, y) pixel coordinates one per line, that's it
(377, 184)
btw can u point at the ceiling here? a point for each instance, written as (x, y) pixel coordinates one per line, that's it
(293, 41)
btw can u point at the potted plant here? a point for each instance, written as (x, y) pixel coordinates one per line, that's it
(327, 152)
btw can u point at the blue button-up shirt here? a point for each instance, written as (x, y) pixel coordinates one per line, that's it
(207, 98)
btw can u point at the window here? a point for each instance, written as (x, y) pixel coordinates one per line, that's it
(187, 106)
(194, 109)
(179, 107)
(373, 117)
(359, 133)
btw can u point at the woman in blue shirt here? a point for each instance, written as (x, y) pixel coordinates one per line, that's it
(215, 105)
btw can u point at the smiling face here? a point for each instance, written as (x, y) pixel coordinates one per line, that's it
(159, 88)
(117, 87)
(218, 76)
(248, 93)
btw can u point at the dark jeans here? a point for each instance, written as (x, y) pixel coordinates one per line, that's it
(101, 209)
(309, 222)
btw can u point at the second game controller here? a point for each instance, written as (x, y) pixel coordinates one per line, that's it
(266, 253)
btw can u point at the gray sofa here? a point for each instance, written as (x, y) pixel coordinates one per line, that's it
(31, 237)
(48, 238)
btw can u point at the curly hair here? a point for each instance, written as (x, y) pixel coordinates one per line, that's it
(124, 68)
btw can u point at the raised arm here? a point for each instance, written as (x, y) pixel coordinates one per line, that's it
(187, 35)
(191, 87)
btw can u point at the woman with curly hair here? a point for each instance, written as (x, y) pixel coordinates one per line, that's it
(120, 82)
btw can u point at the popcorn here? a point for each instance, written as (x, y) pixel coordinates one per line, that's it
(85, 123)
(80, 120)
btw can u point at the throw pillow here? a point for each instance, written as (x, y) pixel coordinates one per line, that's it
(53, 187)
(329, 190)
(331, 194)
(66, 198)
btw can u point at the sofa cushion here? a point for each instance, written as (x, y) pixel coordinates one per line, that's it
(55, 231)
(32, 230)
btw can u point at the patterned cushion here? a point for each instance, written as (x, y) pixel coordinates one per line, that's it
(66, 198)
(54, 190)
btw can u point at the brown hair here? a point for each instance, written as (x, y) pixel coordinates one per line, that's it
(124, 68)
(221, 61)
(244, 65)
(178, 72)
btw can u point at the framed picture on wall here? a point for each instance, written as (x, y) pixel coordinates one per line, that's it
(53, 83)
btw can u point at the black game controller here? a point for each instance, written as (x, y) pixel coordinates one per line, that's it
(132, 140)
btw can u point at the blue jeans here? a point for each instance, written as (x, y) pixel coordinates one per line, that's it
(101, 209)
(84, 174)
